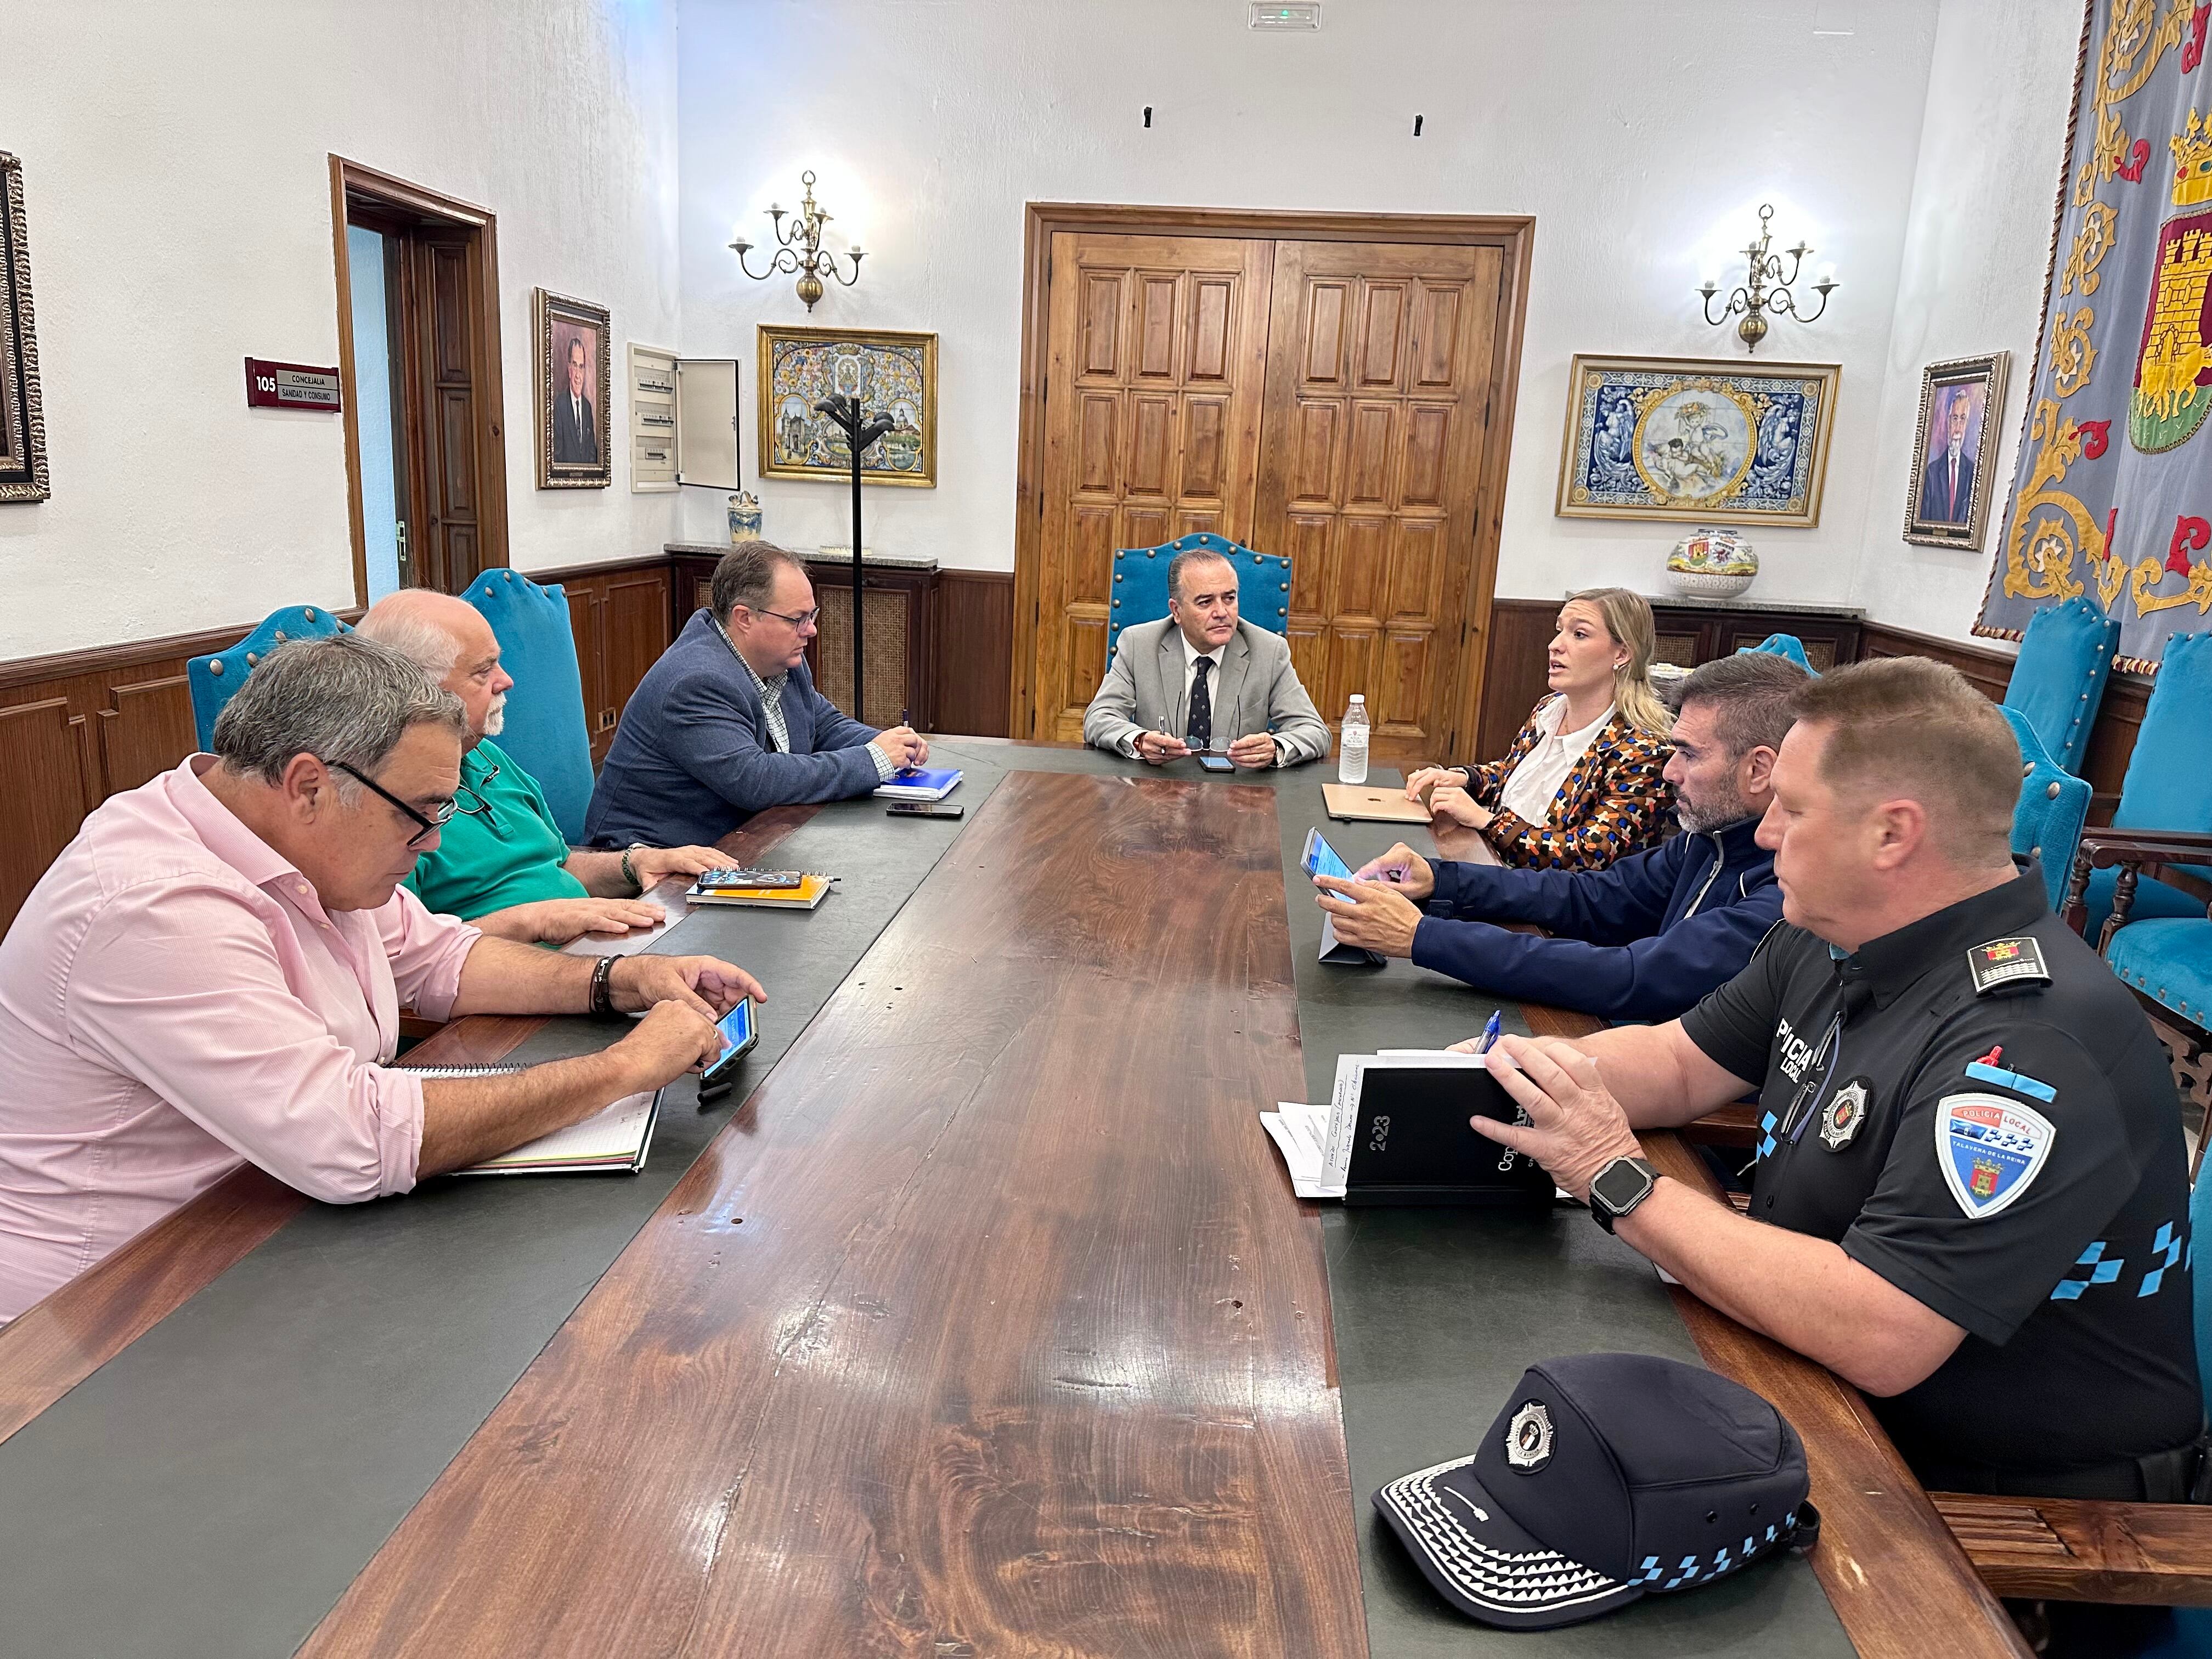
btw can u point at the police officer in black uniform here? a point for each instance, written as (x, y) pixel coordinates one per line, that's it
(1970, 1152)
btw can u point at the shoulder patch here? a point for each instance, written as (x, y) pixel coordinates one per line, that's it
(1990, 1149)
(2007, 962)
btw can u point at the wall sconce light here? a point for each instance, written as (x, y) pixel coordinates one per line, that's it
(1766, 288)
(800, 248)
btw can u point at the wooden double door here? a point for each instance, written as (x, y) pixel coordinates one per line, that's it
(1346, 403)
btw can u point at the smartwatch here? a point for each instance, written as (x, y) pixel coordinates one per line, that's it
(1619, 1188)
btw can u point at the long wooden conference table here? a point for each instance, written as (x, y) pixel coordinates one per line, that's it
(979, 1320)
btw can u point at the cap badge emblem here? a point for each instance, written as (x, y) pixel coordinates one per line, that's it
(1846, 1110)
(1528, 1438)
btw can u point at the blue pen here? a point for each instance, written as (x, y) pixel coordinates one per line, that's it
(1489, 1033)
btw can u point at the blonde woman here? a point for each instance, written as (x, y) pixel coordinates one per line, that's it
(1582, 784)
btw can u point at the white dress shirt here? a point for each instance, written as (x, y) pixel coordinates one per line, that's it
(1534, 788)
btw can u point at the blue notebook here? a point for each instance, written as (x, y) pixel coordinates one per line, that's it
(914, 783)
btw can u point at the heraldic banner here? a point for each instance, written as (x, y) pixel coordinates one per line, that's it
(2113, 498)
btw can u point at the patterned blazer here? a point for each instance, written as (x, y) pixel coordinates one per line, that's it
(1613, 803)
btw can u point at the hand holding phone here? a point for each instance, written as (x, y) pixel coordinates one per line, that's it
(739, 1035)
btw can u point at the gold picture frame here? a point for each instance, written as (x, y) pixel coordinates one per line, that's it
(24, 475)
(575, 449)
(1943, 509)
(891, 371)
(1697, 440)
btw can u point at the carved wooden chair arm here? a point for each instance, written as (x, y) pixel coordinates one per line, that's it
(2133, 851)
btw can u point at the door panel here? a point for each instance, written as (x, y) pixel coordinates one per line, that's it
(1381, 399)
(447, 542)
(1156, 363)
(1330, 401)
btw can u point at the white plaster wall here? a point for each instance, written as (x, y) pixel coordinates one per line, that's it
(1642, 135)
(178, 188)
(1977, 243)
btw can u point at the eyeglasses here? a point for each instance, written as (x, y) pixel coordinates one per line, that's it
(435, 818)
(805, 618)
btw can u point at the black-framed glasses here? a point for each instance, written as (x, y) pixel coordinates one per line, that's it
(437, 817)
(465, 794)
(801, 620)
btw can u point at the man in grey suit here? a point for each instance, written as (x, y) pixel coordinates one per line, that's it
(1203, 679)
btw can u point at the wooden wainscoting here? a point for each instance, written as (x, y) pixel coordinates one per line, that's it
(619, 614)
(971, 681)
(81, 725)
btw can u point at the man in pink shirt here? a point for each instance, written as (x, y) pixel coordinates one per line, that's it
(213, 971)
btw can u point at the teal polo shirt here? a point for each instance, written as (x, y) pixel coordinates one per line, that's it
(511, 854)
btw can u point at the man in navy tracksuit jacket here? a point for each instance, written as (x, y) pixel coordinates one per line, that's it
(1643, 940)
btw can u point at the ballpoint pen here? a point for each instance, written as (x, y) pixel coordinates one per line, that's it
(1489, 1034)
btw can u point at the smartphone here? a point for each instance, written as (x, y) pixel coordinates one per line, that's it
(1320, 859)
(752, 878)
(739, 1034)
(922, 808)
(1217, 763)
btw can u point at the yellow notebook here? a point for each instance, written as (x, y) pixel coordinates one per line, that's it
(805, 896)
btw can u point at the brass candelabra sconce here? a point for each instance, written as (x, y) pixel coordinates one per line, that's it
(1765, 289)
(799, 248)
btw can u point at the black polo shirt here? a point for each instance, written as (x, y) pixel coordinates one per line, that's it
(2004, 1147)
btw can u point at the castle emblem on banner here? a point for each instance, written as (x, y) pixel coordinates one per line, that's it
(2173, 369)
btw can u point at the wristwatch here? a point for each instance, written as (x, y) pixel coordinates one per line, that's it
(1619, 1188)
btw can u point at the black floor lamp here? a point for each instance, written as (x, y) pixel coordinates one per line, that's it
(845, 413)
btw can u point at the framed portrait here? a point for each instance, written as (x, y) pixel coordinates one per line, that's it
(1946, 498)
(892, 375)
(1687, 438)
(574, 379)
(23, 417)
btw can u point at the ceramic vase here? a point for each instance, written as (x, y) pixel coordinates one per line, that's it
(1711, 564)
(745, 518)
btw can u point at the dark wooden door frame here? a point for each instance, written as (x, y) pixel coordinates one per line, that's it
(417, 204)
(1513, 234)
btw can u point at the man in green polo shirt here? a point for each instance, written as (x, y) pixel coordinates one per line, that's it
(501, 860)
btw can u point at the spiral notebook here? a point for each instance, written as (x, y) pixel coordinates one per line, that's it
(614, 1140)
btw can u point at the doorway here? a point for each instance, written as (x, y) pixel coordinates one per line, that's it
(1337, 388)
(418, 346)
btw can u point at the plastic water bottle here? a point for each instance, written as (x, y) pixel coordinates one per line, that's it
(1352, 744)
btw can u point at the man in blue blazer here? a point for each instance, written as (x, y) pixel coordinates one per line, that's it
(728, 723)
(1647, 936)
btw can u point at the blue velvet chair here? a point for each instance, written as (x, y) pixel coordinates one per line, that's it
(2058, 679)
(1784, 645)
(213, 679)
(1140, 585)
(545, 730)
(2157, 853)
(2053, 806)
